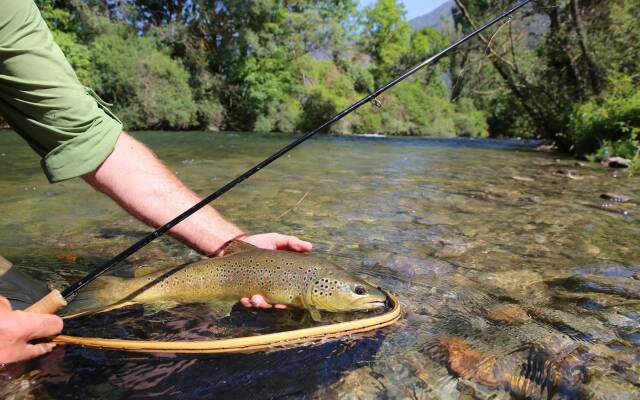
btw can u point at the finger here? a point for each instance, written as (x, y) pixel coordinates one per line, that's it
(32, 351)
(259, 301)
(280, 306)
(42, 325)
(36, 350)
(293, 243)
(245, 301)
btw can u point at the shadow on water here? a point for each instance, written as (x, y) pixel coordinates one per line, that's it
(76, 373)
(79, 373)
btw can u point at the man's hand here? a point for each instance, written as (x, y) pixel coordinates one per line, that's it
(17, 328)
(276, 241)
(273, 241)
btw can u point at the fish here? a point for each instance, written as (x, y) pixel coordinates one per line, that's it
(281, 277)
(18, 287)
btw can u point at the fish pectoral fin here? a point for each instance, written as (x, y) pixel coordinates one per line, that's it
(238, 246)
(313, 310)
(315, 313)
(157, 306)
(222, 308)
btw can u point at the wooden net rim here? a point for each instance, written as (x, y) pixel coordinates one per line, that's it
(247, 344)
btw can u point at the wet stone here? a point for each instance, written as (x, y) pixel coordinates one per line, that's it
(617, 162)
(469, 363)
(605, 388)
(568, 173)
(522, 285)
(507, 313)
(617, 198)
(69, 258)
(612, 208)
(522, 178)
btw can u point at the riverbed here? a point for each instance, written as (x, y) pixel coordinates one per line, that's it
(517, 278)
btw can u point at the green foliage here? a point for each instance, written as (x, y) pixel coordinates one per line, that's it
(469, 121)
(78, 55)
(610, 126)
(64, 28)
(568, 73)
(324, 91)
(276, 65)
(386, 37)
(148, 88)
(403, 113)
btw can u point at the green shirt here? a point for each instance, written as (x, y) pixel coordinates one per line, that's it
(43, 100)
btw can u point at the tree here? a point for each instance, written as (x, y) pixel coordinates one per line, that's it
(386, 38)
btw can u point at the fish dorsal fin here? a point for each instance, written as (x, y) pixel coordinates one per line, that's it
(238, 246)
(143, 270)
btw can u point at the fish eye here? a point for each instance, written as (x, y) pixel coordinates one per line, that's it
(360, 290)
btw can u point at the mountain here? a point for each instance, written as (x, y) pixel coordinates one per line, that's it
(434, 19)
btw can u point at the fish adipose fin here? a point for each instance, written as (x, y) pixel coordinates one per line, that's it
(238, 246)
(222, 308)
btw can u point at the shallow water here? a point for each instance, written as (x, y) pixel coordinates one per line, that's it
(516, 280)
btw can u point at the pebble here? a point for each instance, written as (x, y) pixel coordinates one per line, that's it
(69, 258)
(568, 174)
(522, 178)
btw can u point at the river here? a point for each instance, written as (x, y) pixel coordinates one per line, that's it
(517, 279)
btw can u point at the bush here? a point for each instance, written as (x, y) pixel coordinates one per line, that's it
(324, 91)
(469, 121)
(610, 126)
(148, 88)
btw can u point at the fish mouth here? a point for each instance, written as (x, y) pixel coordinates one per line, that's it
(377, 303)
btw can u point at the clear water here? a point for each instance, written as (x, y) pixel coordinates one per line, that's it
(516, 280)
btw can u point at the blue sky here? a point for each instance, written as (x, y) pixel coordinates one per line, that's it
(415, 8)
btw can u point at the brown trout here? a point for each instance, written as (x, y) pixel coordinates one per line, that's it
(282, 277)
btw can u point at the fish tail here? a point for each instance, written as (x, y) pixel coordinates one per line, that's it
(97, 296)
(20, 288)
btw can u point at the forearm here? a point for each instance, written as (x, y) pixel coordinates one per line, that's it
(134, 177)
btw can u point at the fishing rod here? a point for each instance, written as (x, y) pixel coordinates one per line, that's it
(56, 300)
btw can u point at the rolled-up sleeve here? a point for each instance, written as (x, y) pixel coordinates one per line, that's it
(43, 100)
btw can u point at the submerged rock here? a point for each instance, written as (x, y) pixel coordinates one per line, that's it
(568, 173)
(523, 285)
(617, 198)
(617, 162)
(511, 314)
(522, 178)
(469, 363)
(614, 209)
(479, 367)
(68, 258)
(604, 388)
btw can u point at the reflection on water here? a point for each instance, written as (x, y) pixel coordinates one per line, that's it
(517, 278)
